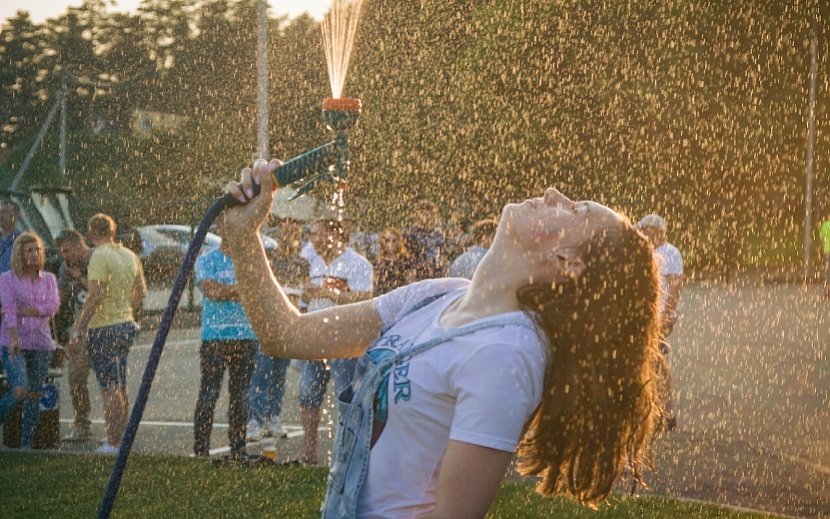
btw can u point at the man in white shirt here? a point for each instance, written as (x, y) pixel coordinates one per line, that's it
(338, 276)
(464, 265)
(670, 262)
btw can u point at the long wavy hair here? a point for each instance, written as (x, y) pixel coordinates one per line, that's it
(599, 411)
(401, 251)
(17, 261)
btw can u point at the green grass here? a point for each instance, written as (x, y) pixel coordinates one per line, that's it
(61, 486)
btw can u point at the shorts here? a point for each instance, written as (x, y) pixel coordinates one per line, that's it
(108, 347)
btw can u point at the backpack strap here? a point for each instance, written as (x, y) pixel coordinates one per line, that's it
(420, 304)
(354, 436)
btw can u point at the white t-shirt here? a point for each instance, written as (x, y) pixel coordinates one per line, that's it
(478, 388)
(349, 266)
(670, 262)
(465, 265)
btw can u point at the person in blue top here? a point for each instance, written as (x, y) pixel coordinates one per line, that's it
(227, 342)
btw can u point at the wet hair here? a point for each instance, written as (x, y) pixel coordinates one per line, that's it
(101, 226)
(599, 411)
(21, 241)
(68, 236)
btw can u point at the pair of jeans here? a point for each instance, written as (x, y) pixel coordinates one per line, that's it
(315, 376)
(267, 388)
(214, 356)
(26, 369)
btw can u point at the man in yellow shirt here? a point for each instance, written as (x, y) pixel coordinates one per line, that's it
(116, 288)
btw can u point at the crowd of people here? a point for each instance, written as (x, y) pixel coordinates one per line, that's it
(385, 298)
(102, 286)
(320, 264)
(550, 350)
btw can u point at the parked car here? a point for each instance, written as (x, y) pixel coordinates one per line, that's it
(168, 235)
(163, 248)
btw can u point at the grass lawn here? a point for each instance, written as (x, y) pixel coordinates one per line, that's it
(36, 485)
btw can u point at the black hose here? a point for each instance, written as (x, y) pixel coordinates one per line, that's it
(292, 171)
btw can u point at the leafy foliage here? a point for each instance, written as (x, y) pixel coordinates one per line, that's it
(690, 108)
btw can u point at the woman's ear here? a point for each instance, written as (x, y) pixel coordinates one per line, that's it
(566, 263)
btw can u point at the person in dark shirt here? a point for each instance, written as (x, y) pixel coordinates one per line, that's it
(425, 241)
(268, 380)
(72, 284)
(393, 263)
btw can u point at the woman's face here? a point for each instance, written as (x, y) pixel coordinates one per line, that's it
(31, 255)
(389, 241)
(556, 222)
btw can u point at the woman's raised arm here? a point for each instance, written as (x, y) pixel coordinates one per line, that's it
(338, 332)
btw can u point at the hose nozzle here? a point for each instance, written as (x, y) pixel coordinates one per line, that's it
(328, 162)
(341, 113)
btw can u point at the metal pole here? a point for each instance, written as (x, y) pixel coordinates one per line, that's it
(19, 176)
(811, 137)
(62, 157)
(262, 80)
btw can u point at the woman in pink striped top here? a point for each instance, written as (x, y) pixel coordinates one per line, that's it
(29, 299)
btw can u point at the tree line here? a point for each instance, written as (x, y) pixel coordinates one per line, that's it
(693, 109)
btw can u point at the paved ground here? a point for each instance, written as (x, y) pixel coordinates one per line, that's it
(753, 388)
(753, 400)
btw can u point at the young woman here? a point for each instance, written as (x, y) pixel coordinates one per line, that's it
(393, 264)
(30, 298)
(559, 362)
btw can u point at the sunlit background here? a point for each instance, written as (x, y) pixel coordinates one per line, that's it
(712, 114)
(41, 10)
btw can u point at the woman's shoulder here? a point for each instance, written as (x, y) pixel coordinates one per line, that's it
(397, 301)
(45, 274)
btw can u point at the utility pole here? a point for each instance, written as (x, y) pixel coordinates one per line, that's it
(62, 157)
(262, 80)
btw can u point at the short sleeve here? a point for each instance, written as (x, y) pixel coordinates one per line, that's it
(497, 390)
(391, 305)
(674, 262)
(139, 268)
(97, 270)
(202, 268)
(362, 279)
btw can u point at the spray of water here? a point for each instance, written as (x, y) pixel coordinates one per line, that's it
(339, 29)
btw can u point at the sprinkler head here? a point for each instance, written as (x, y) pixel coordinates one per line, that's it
(341, 113)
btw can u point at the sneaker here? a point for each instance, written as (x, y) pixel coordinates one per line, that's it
(78, 435)
(106, 448)
(255, 432)
(275, 429)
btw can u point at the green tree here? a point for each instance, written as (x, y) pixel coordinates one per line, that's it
(22, 107)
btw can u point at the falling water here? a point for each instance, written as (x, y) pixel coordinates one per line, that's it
(339, 29)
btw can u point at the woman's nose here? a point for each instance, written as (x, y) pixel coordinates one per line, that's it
(553, 196)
